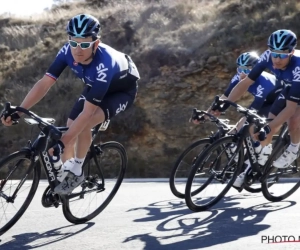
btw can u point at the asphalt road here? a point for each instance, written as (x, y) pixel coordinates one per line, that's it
(146, 215)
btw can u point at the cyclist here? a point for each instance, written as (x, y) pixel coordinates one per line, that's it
(265, 91)
(284, 61)
(110, 79)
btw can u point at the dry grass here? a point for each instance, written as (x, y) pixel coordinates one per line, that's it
(155, 33)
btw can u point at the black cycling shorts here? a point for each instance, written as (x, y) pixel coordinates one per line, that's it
(112, 103)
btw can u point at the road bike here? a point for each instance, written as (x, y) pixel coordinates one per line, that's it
(104, 168)
(188, 157)
(214, 170)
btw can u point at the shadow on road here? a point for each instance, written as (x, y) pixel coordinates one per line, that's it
(38, 240)
(187, 230)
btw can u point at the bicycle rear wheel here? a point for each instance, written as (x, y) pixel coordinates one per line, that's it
(183, 166)
(213, 174)
(19, 179)
(102, 182)
(284, 182)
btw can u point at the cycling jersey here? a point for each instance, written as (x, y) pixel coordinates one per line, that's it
(290, 76)
(110, 71)
(265, 89)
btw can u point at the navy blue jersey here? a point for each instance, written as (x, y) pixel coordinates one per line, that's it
(265, 89)
(107, 73)
(290, 76)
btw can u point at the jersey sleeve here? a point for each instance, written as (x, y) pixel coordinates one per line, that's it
(234, 81)
(59, 64)
(260, 66)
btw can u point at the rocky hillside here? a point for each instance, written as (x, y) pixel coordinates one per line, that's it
(185, 51)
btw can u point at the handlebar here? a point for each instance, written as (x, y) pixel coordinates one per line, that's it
(53, 132)
(197, 114)
(252, 114)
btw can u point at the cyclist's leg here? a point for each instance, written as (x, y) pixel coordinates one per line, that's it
(69, 150)
(111, 105)
(294, 126)
(291, 153)
(262, 151)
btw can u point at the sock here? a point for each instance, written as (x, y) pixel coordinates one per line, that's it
(293, 148)
(77, 169)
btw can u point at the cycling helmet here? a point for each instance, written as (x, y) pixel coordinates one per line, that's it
(83, 25)
(247, 59)
(282, 40)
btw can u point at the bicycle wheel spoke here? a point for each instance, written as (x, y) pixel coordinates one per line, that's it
(183, 166)
(100, 185)
(281, 183)
(18, 188)
(212, 176)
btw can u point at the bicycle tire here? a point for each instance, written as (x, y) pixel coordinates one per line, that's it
(215, 146)
(265, 187)
(36, 170)
(66, 201)
(189, 149)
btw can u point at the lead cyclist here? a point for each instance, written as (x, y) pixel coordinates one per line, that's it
(110, 79)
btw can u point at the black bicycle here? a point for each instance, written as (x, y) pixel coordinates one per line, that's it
(188, 157)
(221, 172)
(20, 172)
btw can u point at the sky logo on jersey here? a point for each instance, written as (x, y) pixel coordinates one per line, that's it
(265, 56)
(121, 108)
(64, 49)
(296, 74)
(101, 73)
(235, 78)
(259, 91)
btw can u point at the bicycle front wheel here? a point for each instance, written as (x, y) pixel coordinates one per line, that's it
(183, 166)
(103, 177)
(19, 179)
(213, 174)
(280, 183)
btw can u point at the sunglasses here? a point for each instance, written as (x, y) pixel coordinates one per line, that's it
(243, 70)
(84, 45)
(280, 55)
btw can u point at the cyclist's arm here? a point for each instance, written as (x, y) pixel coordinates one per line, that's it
(38, 91)
(284, 115)
(240, 89)
(41, 88)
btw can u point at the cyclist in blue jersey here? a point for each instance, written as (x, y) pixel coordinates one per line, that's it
(284, 61)
(110, 79)
(264, 90)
